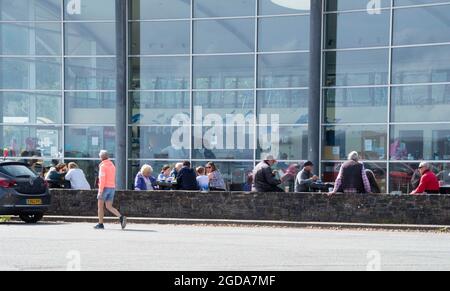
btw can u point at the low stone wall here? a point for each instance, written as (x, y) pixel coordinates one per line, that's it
(388, 209)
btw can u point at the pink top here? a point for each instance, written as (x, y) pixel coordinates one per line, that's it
(107, 176)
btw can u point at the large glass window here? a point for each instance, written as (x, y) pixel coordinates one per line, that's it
(291, 105)
(295, 34)
(88, 141)
(90, 39)
(159, 73)
(277, 7)
(160, 38)
(224, 72)
(90, 108)
(90, 10)
(283, 70)
(84, 73)
(369, 140)
(359, 29)
(420, 142)
(356, 68)
(30, 10)
(160, 9)
(287, 143)
(220, 8)
(340, 5)
(356, 105)
(428, 64)
(421, 103)
(224, 36)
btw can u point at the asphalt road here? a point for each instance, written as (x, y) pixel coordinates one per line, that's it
(157, 247)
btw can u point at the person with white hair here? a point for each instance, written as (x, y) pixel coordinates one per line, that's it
(144, 180)
(352, 177)
(429, 182)
(107, 191)
(264, 178)
(176, 170)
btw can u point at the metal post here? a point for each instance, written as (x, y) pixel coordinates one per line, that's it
(315, 81)
(121, 94)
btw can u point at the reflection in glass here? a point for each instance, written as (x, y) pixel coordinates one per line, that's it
(159, 73)
(341, 5)
(158, 108)
(87, 142)
(424, 142)
(90, 73)
(160, 9)
(277, 7)
(291, 145)
(360, 105)
(220, 8)
(30, 10)
(90, 108)
(295, 34)
(90, 10)
(369, 141)
(224, 72)
(291, 105)
(90, 39)
(290, 70)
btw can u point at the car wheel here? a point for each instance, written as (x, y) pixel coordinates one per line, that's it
(31, 218)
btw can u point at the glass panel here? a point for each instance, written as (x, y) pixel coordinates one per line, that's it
(90, 107)
(417, 2)
(160, 9)
(31, 141)
(291, 105)
(30, 108)
(224, 72)
(433, 26)
(361, 105)
(283, 70)
(224, 142)
(160, 38)
(30, 39)
(159, 73)
(30, 73)
(156, 142)
(421, 103)
(30, 10)
(295, 34)
(90, 39)
(370, 141)
(276, 7)
(90, 10)
(220, 8)
(356, 68)
(235, 174)
(420, 142)
(331, 172)
(158, 108)
(421, 64)
(404, 177)
(339, 5)
(229, 105)
(87, 142)
(90, 169)
(291, 143)
(90, 73)
(224, 36)
(350, 30)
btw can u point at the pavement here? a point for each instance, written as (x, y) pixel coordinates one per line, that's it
(77, 246)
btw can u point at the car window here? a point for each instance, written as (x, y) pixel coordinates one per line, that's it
(17, 171)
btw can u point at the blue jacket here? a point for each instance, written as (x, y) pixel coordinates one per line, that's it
(139, 183)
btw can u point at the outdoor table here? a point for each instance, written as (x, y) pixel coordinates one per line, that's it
(445, 190)
(163, 185)
(321, 187)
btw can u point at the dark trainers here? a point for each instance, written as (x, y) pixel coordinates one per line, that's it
(123, 222)
(99, 226)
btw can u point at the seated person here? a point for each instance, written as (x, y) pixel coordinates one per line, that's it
(55, 177)
(428, 182)
(305, 178)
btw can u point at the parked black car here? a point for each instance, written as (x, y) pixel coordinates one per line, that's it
(22, 192)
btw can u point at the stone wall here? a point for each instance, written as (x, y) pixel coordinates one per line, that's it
(429, 209)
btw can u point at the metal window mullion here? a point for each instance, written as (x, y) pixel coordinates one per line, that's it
(388, 141)
(255, 84)
(191, 82)
(63, 87)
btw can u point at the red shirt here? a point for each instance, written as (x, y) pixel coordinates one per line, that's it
(428, 182)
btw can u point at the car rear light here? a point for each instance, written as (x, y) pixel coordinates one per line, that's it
(6, 183)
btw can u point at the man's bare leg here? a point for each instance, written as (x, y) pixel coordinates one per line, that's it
(101, 211)
(110, 207)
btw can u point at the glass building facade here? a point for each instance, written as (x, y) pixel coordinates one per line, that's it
(385, 88)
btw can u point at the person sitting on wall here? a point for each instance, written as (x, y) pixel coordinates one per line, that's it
(55, 177)
(144, 180)
(373, 182)
(429, 183)
(305, 178)
(265, 178)
(352, 177)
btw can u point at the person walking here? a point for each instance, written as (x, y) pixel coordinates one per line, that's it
(216, 181)
(305, 178)
(352, 177)
(144, 180)
(429, 182)
(107, 191)
(186, 178)
(77, 178)
(264, 179)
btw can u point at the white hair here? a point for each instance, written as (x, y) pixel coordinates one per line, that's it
(146, 169)
(425, 165)
(353, 156)
(104, 154)
(178, 166)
